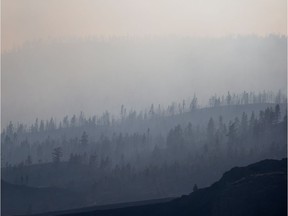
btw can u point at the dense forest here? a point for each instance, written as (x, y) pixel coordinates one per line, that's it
(162, 151)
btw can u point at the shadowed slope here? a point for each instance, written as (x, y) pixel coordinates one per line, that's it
(20, 199)
(258, 189)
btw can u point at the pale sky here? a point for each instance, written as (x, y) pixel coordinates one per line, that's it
(49, 80)
(30, 20)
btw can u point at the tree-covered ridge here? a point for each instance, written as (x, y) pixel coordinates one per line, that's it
(153, 111)
(249, 138)
(135, 134)
(139, 159)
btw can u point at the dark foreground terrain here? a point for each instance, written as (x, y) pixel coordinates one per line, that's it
(20, 199)
(258, 189)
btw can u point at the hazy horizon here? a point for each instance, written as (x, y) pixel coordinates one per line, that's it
(43, 80)
(65, 56)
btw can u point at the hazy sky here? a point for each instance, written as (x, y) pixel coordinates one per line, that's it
(28, 20)
(54, 79)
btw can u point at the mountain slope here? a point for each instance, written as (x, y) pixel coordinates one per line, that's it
(258, 189)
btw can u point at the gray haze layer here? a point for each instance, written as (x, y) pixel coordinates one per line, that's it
(56, 78)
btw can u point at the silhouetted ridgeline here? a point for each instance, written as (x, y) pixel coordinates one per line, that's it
(257, 189)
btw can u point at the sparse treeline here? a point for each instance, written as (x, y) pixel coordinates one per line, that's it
(181, 140)
(248, 98)
(131, 135)
(125, 115)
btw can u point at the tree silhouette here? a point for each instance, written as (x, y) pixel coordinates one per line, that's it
(195, 188)
(57, 154)
(84, 139)
(211, 129)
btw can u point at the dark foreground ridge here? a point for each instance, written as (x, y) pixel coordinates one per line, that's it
(16, 199)
(257, 189)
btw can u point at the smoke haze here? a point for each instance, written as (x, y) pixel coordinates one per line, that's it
(65, 77)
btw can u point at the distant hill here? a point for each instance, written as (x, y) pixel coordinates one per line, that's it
(257, 189)
(20, 199)
(158, 126)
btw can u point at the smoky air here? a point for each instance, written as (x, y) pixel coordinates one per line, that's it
(145, 126)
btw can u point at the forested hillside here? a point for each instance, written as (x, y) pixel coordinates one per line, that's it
(141, 157)
(149, 128)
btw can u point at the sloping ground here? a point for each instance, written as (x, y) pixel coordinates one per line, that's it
(258, 189)
(19, 199)
(106, 207)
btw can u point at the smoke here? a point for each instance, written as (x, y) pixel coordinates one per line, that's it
(57, 78)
